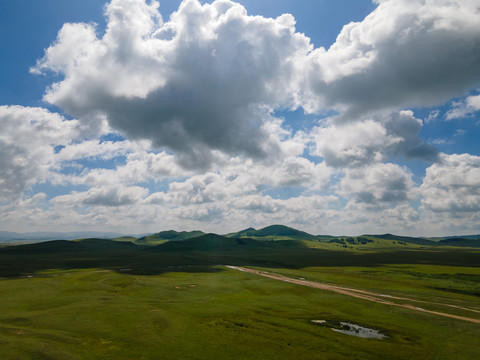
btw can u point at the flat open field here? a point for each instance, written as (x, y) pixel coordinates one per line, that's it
(129, 303)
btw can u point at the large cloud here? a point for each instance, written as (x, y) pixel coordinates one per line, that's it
(241, 179)
(138, 167)
(371, 140)
(27, 146)
(378, 185)
(104, 196)
(205, 80)
(453, 185)
(405, 53)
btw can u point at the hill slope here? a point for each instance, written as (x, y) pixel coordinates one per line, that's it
(274, 232)
(61, 246)
(214, 242)
(457, 241)
(170, 235)
(406, 239)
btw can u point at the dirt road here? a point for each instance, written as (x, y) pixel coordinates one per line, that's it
(361, 294)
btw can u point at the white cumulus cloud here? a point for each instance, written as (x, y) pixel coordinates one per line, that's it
(378, 185)
(452, 185)
(27, 146)
(371, 140)
(405, 53)
(205, 80)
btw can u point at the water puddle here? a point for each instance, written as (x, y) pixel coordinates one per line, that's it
(351, 329)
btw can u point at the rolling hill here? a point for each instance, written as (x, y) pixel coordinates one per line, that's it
(405, 239)
(459, 241)
(214, 242)
(8, 236)
(170, 235)
(60, 246)
(273, 232)
(245, 239)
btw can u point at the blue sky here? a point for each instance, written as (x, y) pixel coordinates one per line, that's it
(336, 117)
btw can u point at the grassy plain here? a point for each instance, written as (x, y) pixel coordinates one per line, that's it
(100, 300)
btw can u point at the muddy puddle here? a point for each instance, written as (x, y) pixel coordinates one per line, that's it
(351, 329)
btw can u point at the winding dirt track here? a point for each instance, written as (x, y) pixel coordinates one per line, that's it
(362, 294)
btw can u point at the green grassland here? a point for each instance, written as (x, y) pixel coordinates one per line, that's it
(103, 299)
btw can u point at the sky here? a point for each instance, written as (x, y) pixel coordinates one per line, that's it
(339, 117)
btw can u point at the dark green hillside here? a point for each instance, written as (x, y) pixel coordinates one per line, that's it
(103, 244)
(406, 239)
(214, 242)
(469, 237)
(53, 246)
(205, 242)
(464, 242)
(243, 233)
(61, 246)
(276, 232)
(467, 241)
(125, 239)
(170, 235)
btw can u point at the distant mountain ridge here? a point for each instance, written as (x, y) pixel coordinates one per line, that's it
(68, 246)
(468, 237)
(270, 233)
(53, 235)
(209, 242)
